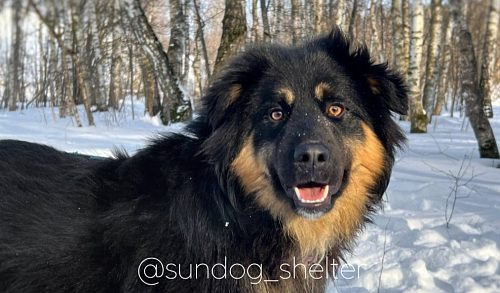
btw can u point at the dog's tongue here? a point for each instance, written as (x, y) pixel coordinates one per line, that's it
(312, 192)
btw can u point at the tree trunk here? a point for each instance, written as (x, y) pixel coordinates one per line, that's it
(341, 11)
(405, 62)
(179, 106)
(176, 47)
(489, 53)
(115, 86)
(100, 89)
(234, 29)
(265, 21)
(15, 61)
(352, 21)
(148, 80)
(397, 35)
(470, 89)
(376, 41)
(432, 67)
(418, 117)
(201, 36)
(254, 33)
(295, 22)
(278, 16)
(444, 69)
(318, 9)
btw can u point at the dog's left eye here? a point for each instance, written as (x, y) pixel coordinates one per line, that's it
(277, 115)
(335, 110)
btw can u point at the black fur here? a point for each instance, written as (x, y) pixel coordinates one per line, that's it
(69, 223)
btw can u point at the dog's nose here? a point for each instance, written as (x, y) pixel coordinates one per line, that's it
(313, 154)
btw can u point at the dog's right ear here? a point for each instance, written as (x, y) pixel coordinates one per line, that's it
(231, 86)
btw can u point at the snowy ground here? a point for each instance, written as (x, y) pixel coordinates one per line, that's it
(410, 237)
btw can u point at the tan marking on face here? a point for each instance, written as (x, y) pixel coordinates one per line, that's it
(288, 95)
(320, 89)
(373, 85)
(234, 94)
(340, 225)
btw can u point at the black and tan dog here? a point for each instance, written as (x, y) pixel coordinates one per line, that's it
(290, 154)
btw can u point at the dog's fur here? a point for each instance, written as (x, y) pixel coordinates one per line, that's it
(69, 223)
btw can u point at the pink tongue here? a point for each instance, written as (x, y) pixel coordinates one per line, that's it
(311, 193)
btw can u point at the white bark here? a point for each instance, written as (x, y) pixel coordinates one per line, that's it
(432, 67)
(470, 89)
(488, 64)
(418, 118)
(96, 46)
(397, 35)
(341, 15)
(177, 107)
(376, 45)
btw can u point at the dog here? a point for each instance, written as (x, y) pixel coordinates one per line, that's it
(288, 157)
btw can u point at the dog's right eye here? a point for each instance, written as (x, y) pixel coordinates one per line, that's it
(277, 115)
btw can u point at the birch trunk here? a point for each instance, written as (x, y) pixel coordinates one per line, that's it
(148, 80)
(444, 70)
(254, 33)
(115, 86)
(100, 89)
(405, 62)
(376, 45)
(488, 64)
(352, 21)
(265, 21)
(397, 35)
(176, 47)
(295, 22)
(418, 117)
(318, 9)
(470, 88)
(341, 19)
(15, 61)
(432, 66)
(234, 29)
(278, 16)
(201, 36)
(179, 106)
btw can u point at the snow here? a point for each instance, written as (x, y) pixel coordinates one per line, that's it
(419, 252)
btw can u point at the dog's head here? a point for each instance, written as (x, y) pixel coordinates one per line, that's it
(306, 131)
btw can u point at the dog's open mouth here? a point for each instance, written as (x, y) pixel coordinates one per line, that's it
(312, 193)
(313, 199)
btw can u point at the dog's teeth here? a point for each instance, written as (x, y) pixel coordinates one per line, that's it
(325, 194)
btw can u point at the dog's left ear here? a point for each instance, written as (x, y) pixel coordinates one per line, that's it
(389, 86)
(231, 85)
(383, 83)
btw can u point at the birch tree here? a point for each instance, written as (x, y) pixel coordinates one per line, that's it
(98, 60)
(176, 106)
(15, 60)
(376, 45)
(352, 21)
(318, 15)
(444, 69)
(265, 21)
(417, 115)
(405, 62)
(234, 28)
(295, 22)
(397, 34)
(115, 84)
(432, 67)
(176, 47)
(341, 13)
(470, 88)
(489, 53)
(254, 32)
